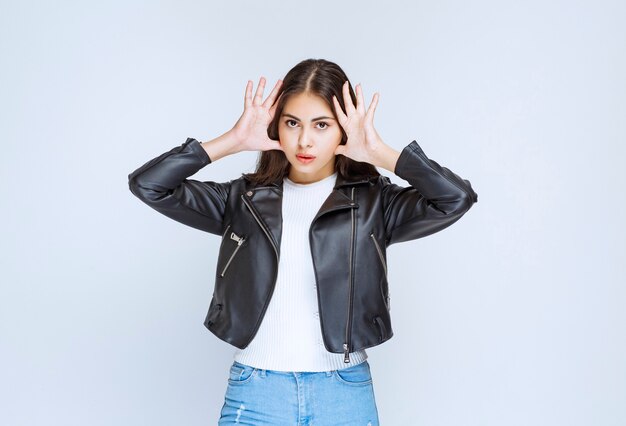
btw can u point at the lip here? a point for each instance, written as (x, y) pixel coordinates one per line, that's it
(305, 158)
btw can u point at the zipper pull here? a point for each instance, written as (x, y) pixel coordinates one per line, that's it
(234, 236)
(346, 353)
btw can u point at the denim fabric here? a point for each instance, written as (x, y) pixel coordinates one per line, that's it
(256, 396)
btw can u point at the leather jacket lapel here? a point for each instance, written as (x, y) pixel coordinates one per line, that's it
(267, 203)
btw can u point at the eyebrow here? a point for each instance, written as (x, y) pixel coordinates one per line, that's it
(315, 119)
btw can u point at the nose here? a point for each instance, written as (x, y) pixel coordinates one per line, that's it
(305, 140)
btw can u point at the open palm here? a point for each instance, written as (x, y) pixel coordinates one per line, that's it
(363, 140)
(251, 128)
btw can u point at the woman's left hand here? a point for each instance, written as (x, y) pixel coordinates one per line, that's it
(363, 143)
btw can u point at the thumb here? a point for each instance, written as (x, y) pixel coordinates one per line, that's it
(340, 150)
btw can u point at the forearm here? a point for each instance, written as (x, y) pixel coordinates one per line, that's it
(222, 146)
(435, 200)
(386, 157)
(163, 184)
(446, 189)
(159, 176)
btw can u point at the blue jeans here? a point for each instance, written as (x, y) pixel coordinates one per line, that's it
(256, 396)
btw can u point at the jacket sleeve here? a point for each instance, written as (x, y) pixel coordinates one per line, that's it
(162, 184)
(435, 200)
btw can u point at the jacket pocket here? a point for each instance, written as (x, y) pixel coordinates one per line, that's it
(387, 296)
(239, 240)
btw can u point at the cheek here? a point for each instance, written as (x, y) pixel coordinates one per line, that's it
(287, 142)
(283, 138)
(334, 140)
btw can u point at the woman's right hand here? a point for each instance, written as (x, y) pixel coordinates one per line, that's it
(251, 129)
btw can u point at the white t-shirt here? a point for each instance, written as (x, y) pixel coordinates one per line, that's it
(290, 335)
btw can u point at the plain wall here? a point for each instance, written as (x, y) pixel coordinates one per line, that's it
(512, 316)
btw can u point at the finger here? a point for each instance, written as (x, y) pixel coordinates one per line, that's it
(347, 100)
(338, 110)
(247, 99)
(273, 109)
(279, 96)
(272, 96)
(372, 108)
(258, 96)
(360, 103)
(340, 150)
(275, 105)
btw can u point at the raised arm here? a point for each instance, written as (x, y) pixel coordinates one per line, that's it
(163, 184)
(435, 200)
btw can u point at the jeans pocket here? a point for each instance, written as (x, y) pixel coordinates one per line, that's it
(357, 375)
(240, 373)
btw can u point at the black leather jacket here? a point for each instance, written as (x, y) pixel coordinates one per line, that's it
(348, 238)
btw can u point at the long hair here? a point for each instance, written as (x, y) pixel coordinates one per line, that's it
(324, 79)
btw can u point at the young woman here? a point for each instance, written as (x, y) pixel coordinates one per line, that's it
(301, 280)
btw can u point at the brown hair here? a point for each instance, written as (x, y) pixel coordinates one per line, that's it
(324, 79)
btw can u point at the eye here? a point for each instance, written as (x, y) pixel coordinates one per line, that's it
(324, 123)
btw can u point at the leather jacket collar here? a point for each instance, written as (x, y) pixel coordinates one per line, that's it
(340, 182)
(267, 206)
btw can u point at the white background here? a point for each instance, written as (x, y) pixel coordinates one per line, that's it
(512, 316)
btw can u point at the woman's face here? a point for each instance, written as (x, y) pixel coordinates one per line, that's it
(307, 126)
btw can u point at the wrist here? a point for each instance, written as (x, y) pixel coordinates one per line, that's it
(222, 146)
(386, 157)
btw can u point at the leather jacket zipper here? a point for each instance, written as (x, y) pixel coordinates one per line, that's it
(261, 225)
(382, 260)
(380, 253)
(271, 242)
(346, 345)
(240, 241)
(226, 230)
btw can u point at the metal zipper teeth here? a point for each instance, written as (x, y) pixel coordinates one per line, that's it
(382, 260)
(226, 230)
(261, 225)
(319, 300)
(240, 241)
(271, 242)
(346, 345)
